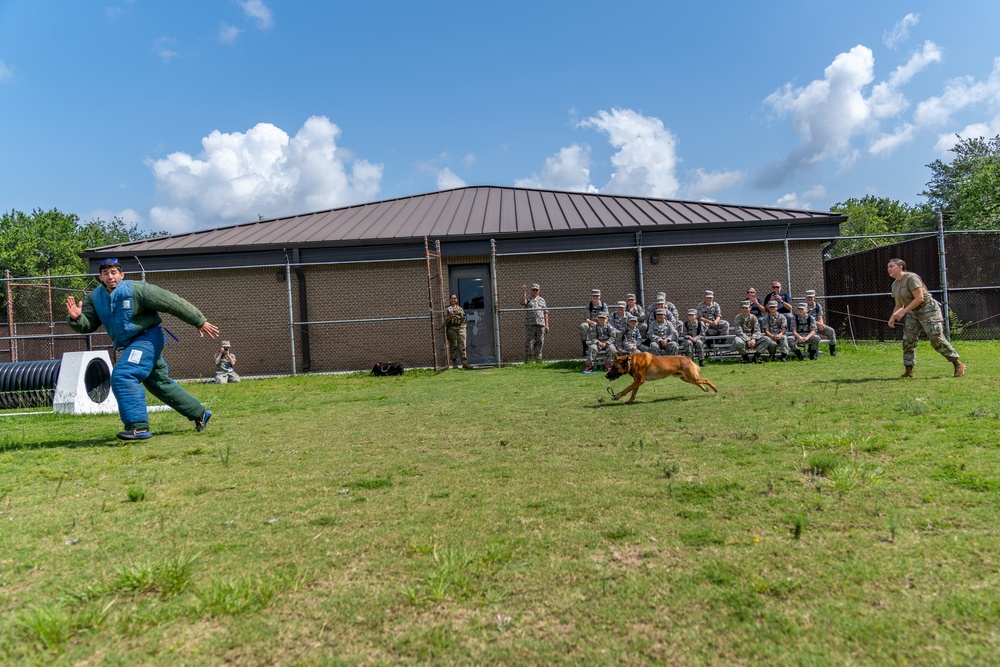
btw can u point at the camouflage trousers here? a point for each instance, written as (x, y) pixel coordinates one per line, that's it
(534, 339)
(456, 344)
(929, 319)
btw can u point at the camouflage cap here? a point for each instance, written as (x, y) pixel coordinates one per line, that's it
(693, 311)
(803, 306)
(632, 318)
(595, 292)
(602, 314)
(660, 311)
(810, 292)
(709, 292)
(622, 304)
(772, 304)
(629, 296)
(744, 304)
(535, 286)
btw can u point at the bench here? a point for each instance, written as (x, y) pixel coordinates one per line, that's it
(723, 348)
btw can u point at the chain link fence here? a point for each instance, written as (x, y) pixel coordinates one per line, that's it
(961, 269)
(340, 316)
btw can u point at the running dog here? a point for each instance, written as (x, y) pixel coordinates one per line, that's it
(643, 367)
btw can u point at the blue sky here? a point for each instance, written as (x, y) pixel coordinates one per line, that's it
(188, 114)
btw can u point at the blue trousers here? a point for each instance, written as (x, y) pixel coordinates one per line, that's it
(140, 365)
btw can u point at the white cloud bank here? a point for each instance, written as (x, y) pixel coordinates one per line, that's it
(258, 12)
(901, 31)
(263, 172)
(644, 165)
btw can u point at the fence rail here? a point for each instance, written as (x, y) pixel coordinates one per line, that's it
(316, 317)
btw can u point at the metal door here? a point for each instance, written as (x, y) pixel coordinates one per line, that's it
(471, 284)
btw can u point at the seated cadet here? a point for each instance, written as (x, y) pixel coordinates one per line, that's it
(619, 318)
(746, 332)
(601, 343)
(590, 312)
(662, 335)
(630, 340)
(825, 331)
(634, 308)
(691, 337)
(774, 325)
(804, 332)
(784, 301)
(673, 315)
(710, 313)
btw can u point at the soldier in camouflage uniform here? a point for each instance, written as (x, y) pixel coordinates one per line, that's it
(774, 325)
(824, 331)
(619, 318)
(590, 311)
(536, 322)
(454, 320)
(710, 313)
(691, 335)
(804, 332)
(630, 340)
(673, 315)
(746, 331)
(633, 308)
(918, 310)
(662, 335)
(601, 343)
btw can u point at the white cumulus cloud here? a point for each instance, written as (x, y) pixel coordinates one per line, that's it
(263, 172)
(901, 31)
(257, 11)
(646, 161)
(165, 48)
(448, 180)
(228, 33)
(569, 170)
(705, 183)
(5, 72)
(803, 200)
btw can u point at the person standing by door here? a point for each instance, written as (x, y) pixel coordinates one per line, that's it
(455, 329)
(536, 322)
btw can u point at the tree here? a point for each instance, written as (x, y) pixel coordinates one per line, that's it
(967, 190)
(879, 215)
(51, 241)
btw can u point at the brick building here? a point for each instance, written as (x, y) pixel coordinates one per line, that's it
(363, 288)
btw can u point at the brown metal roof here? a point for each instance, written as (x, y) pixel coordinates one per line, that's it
(468, 213)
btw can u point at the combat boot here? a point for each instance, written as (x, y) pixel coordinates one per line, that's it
(746, 359)
(813, 355)
(798, 355)
(757, 359)
(908, 373)
(959, 368)
(784, 357)
(833, 350)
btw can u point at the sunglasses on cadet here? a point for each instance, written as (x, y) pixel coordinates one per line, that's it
(108, 262)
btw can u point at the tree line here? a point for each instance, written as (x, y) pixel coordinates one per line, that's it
(965, 191)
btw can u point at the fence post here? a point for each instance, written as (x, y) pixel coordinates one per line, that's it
(496, 304)
(291, 312)
(944, 275)
(788, 270)
(10, 316)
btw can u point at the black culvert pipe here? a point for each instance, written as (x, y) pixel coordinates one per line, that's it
(32, 384)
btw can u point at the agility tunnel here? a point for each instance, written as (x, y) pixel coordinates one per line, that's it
(79, 383)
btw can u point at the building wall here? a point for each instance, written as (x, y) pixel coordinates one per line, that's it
(250, 306)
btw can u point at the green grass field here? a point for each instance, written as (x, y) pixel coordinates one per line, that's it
(813, 513)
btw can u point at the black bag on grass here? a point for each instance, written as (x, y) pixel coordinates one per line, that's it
(381, 369)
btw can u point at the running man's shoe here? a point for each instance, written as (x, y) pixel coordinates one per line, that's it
(135, 434)
(202, 424)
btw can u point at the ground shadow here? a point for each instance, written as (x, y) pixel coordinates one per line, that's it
(638, 400)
